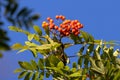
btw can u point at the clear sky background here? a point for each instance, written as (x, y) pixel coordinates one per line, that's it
(101, 18)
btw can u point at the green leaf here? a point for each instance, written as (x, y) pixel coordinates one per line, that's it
(35, 17)
(34, 65)
(41, 64)
(53, 60)
(22, 74)
(37, 30)
(67, 45)
(41, 76)
(85, 36)
(22, 50)
(31, 36)
(76, 74)
(25, 65)
(34, 51)
(13, 28)
(47, 74)
(28, 43)
(49, 39)
(60, 65)
(17, 46)
(74, 65)
(18, 70)
(28, 76)
(35, 76)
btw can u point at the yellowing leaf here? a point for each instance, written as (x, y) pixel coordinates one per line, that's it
(28, 43)
(31, 36)
(17, 46)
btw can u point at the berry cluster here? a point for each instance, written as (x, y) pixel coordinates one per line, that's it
(66, 28)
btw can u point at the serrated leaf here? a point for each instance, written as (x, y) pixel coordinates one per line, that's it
(31, 36)
(18, 70)
(25, 65)
(22, 74)
(38, 30)
(34, 65)
(60, 65)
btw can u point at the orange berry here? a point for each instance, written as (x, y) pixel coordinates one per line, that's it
(78, 24)
(48, 18)
(67, 33)
(57, 17)
(56, 27)
(51, 21)
(60, 16)
(68, 28)
(81, 25)
(63, 18)
(76, 21)
(51, 26)
(73, 30)
(63, 26)
(59, 29)
(76, 33)
(73, 26)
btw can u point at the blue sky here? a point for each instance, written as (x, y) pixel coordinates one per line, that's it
(101, 18)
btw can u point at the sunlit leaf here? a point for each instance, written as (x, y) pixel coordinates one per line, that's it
(34, 51)
(76, 74)
(85, 36)
(22, 74)
(22, 50)
(13, 28)
(31, 36)
(18, 70)
(38, 30)
(60, 65)
(25, 65)
(28, 43)
(17, 46)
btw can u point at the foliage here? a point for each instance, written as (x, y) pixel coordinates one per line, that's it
(97, 59)
(9, 10)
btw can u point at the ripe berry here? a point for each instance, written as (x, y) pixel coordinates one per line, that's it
(56, 27)
(48, 18)
(59, 29)
(57, 17)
